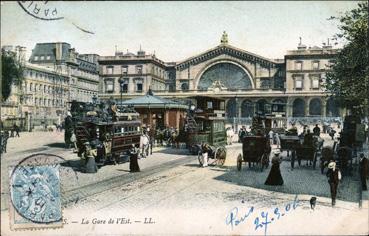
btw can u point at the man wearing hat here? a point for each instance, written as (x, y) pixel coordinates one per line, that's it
(364, 171)
(68, 129)
(334, 176)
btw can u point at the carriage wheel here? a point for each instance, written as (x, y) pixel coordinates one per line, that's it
(239, 162)
(200, 158)
(220, 155)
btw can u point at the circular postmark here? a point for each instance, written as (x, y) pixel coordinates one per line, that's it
(36, 187)
(42, 10)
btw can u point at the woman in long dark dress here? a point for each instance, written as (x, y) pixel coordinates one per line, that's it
(275, 177)
(133, 163)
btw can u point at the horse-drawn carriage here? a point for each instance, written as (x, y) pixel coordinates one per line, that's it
(301, 149)
(255, 149)
(205, 124)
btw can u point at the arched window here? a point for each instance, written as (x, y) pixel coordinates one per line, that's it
(184, 86)
(332, 108)
(228, 75)
(298, 109)
(315, 107)
(247, 108)
(260, 106)
(231, 108)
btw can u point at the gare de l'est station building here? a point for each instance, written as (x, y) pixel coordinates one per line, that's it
(248, 83)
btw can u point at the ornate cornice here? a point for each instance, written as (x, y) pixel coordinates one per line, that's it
(228, 50)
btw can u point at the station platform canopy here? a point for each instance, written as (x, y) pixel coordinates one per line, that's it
(152, 101)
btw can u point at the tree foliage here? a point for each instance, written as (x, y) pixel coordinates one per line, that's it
(11, 73)
(348, 80)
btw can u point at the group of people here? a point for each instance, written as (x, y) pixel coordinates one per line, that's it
(333, 175)
(145, 148)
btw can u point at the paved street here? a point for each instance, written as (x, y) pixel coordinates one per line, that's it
(182, 198)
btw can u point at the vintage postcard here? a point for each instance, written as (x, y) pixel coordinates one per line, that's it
(184, 118)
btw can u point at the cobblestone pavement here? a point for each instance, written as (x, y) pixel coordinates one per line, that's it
(182, 198)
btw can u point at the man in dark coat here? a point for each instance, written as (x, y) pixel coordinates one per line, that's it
(316, 130)
(68, 129)
(16, 129)
(334, 176)
(308, 138)
(364, 171)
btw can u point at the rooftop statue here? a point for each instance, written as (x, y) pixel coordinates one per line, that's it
(224, 38)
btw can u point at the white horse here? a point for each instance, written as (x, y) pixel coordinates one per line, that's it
(230, 134)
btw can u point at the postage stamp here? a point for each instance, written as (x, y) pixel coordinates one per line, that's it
(35, 193)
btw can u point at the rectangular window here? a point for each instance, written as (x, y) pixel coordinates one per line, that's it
(298, 83)
(298, 65)
(210, 105)
(109, 70)
(125, 88)
(109, 86)
(42, 58)
(139, 69)
(36, 58)
(124, 70)
(139, 87)
(315, 82)
(316, 65)
(48, 57)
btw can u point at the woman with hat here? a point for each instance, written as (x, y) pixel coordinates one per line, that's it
(133, 163)
(334, 176)
(275, 176)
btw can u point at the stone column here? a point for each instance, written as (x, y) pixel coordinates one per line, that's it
(257, 83)
(289, 107)
(324, 108)
(306, 106)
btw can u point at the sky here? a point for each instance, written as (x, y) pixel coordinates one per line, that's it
(175, 30)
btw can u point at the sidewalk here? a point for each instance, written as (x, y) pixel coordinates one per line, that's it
(33, 140)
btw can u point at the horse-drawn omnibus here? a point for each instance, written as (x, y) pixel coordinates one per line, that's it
(205, 123)
(104, 136)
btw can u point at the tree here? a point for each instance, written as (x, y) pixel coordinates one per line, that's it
(11, 73)
(348, 79)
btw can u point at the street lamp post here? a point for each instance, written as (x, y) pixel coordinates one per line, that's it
(121, 83)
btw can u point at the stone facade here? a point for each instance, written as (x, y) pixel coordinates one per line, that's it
(249, 83)
(306, 70)
(41, 98)
(83, 69)
(54, 75)
(131, 74)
